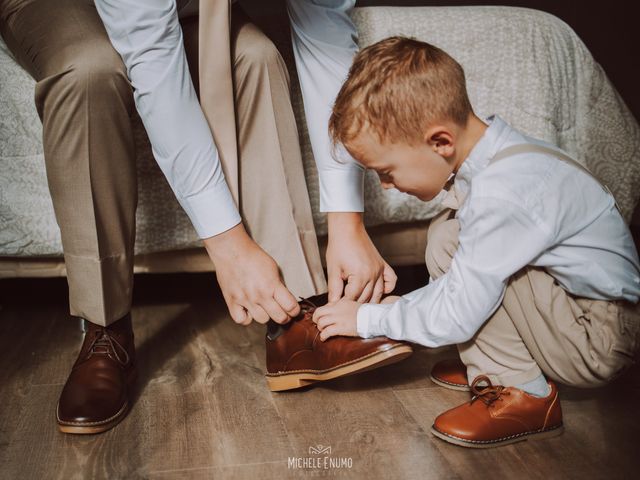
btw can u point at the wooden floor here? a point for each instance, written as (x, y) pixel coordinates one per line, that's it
(204, 411)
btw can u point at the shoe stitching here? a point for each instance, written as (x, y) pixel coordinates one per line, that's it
(502, 439)
(351, 362)
(433, 377)
(546, 417)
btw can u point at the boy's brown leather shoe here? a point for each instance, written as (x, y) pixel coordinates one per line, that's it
(499, 415)
(450, 373)
(97, 395)
(296, 357)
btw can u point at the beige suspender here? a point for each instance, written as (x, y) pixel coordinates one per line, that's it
(533, 148)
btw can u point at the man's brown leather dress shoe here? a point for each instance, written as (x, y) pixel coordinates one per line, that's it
(296, 357)
(450, 373)
(96, 396)
(499, 415)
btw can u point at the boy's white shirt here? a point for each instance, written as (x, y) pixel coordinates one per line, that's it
(529, 209)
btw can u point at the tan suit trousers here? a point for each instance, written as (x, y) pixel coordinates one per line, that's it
(540, 327)
(85, 102)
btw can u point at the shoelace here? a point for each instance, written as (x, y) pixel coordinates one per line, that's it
(104, 344)
(307, 305)
(489, 393)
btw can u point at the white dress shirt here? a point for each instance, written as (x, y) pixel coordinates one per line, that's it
(527, 209)
(148, 37)
(324, 44)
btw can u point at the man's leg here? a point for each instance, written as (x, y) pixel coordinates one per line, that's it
(274, 201)
(84, 100)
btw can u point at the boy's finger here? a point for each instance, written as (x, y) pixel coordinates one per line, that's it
(324, 322)
(330, 331)
(336, 285)
(320, 312)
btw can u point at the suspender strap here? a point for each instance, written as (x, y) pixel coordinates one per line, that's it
(533, 148)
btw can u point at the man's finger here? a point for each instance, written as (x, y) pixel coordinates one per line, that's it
(258, 313)
(336, 286)
(286, 300)
(274, 310)
(378, 290)
(354, 288)
(365, 296)
(239, 314)
(390, 278)
(330, 331)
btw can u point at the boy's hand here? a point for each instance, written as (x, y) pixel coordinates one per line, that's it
(249, 279)
(337, 318)
(352, 257)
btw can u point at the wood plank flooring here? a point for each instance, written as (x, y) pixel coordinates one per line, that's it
(203, 409)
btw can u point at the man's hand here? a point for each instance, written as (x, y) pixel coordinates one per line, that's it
(352, 257)
(249, 279)
(338, 318)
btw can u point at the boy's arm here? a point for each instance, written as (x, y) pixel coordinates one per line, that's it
(324, 44)
(452, 309)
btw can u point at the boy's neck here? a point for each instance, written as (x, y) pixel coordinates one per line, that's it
(468, 138)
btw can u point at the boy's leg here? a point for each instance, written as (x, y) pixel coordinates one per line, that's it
(539, 327)
(274, 201)
(575, 341)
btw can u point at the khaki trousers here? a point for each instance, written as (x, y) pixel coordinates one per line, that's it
(541, 328)
(85, 102)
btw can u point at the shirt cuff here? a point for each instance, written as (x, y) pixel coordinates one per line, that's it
(369, 319)
(342, 190)
(211, 211)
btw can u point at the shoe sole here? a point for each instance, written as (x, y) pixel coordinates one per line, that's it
(534, 435)
(451, 386)
(90, 428)
(299, 379)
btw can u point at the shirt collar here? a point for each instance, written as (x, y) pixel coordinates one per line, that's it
(482, 152)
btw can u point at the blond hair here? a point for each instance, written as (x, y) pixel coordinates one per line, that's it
(395, 89)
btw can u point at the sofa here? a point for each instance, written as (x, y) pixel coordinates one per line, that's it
(525, 65)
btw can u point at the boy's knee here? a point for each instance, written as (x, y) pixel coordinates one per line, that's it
(441, 247)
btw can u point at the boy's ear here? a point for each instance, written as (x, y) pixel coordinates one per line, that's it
(441, 140)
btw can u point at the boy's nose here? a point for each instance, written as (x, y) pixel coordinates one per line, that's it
(387, 185)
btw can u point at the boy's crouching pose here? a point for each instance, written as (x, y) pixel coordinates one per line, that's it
(534, 271)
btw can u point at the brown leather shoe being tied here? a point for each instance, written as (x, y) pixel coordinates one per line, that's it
(450, 373)
(498, 415)
(96, 396)
(296, 357)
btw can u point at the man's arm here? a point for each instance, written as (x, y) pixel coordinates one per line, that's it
(148, 37)
(324, 44)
